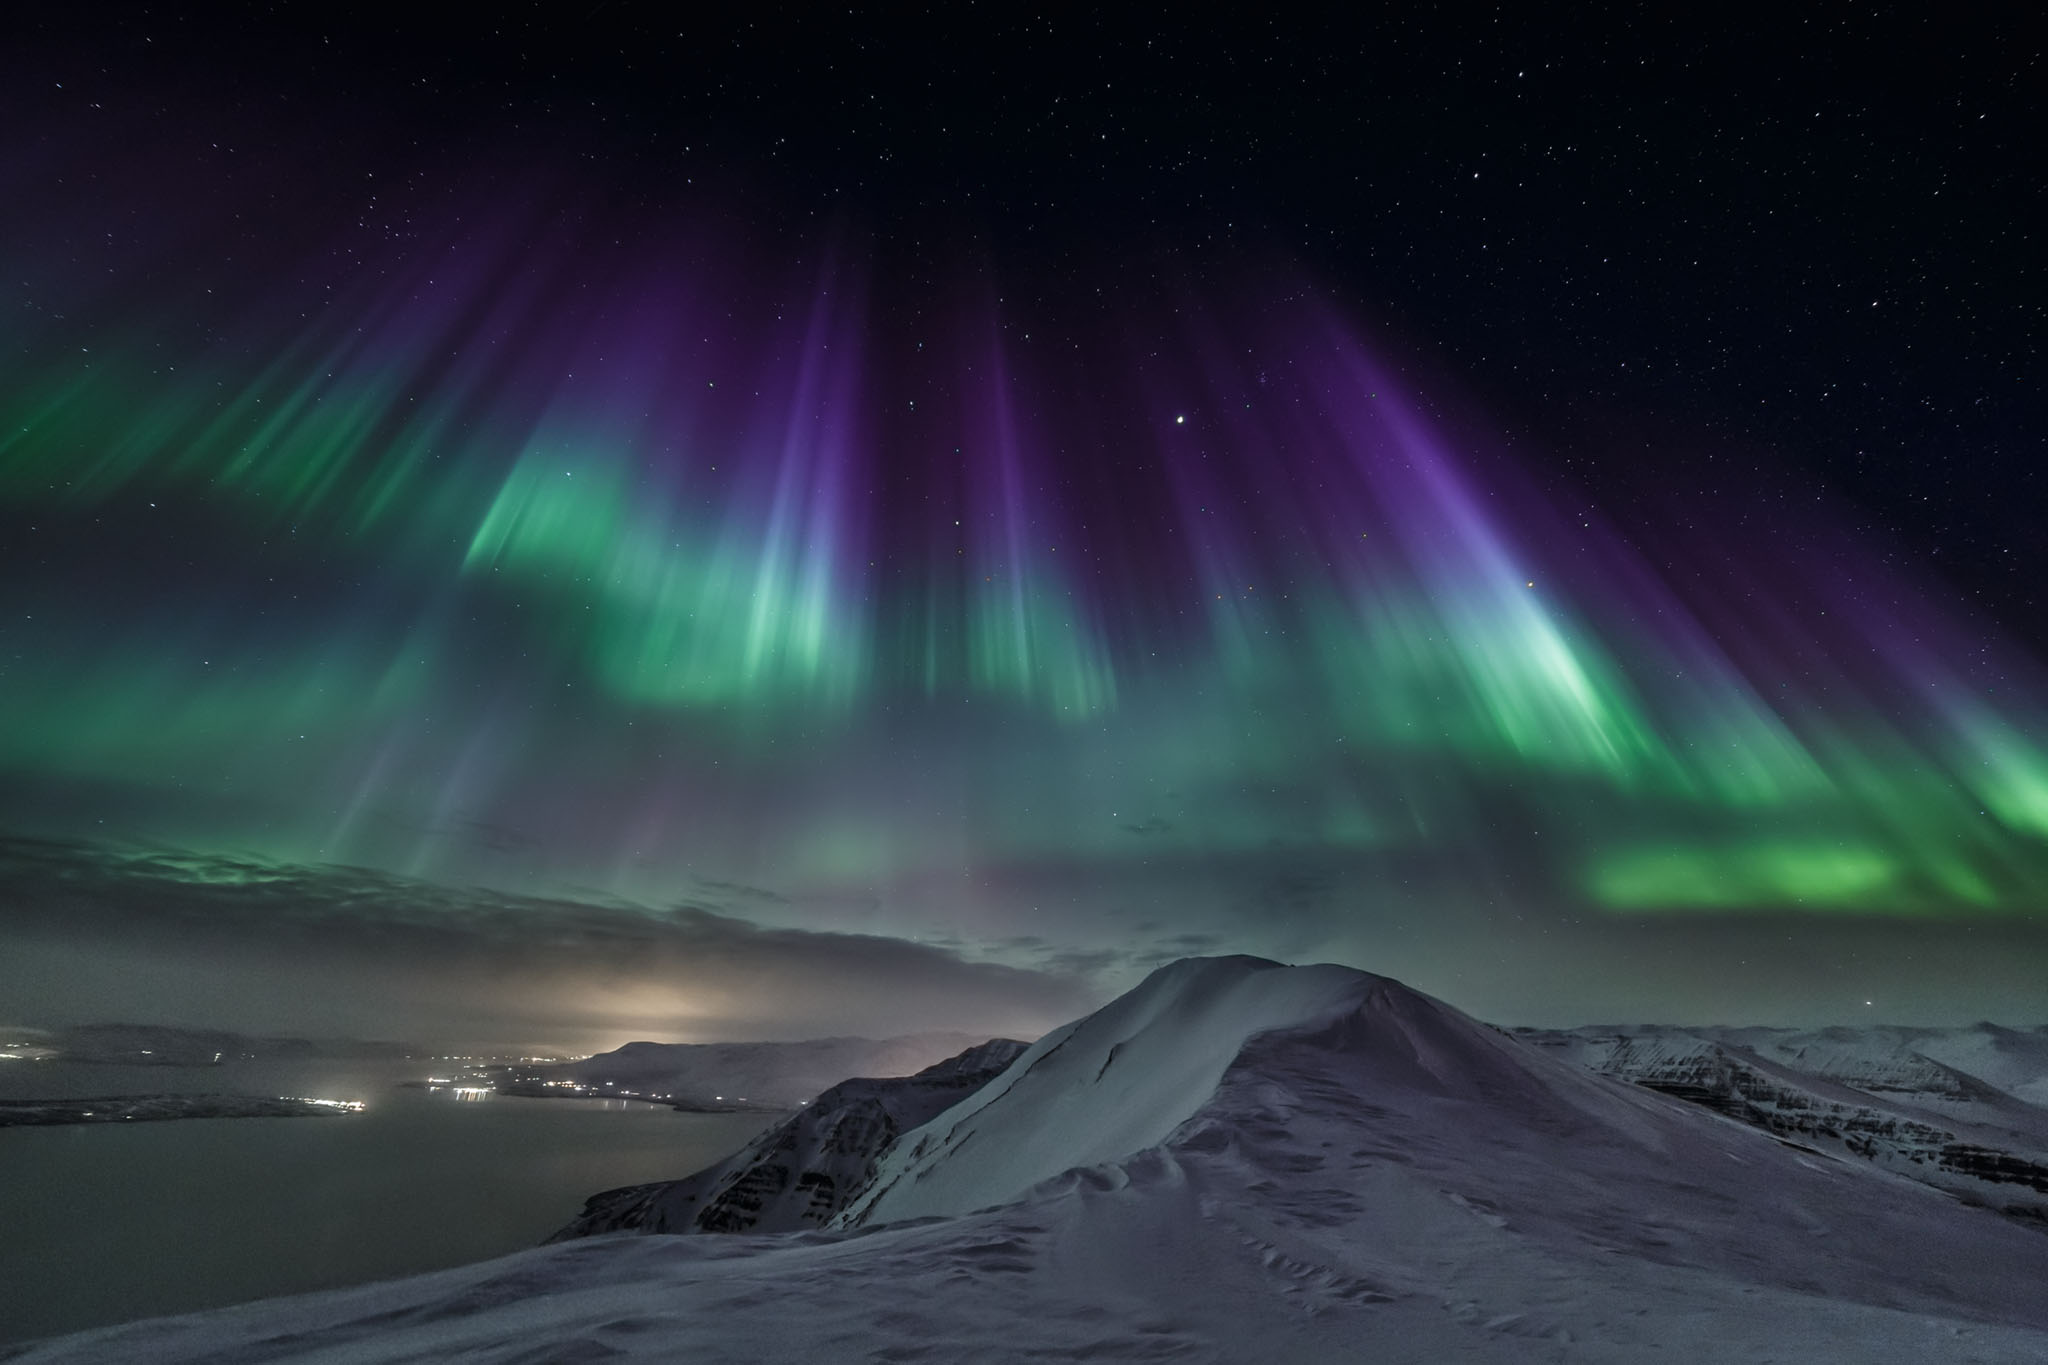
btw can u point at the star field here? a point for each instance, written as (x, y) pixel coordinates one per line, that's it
(1546, 512)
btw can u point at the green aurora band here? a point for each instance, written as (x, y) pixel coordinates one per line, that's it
(718, 575)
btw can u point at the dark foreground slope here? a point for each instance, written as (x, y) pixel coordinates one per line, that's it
(1242, 1161)
(801, 1173)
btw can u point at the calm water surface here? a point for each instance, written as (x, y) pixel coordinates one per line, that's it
(104, 1223)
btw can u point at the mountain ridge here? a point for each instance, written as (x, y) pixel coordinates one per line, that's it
(1239, 1160)
(800, 1173)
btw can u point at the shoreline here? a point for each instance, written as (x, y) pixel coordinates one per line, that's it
(163, 1108)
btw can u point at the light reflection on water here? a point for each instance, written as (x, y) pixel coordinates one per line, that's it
(104, 1223)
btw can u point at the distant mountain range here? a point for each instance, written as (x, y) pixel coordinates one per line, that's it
(160, 1045)
(1241, 1161)
(158, 1108)
(780, 1075)
(1957, 1109)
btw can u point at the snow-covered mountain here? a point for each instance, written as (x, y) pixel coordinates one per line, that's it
(1247, 1162)
(1119, 1081)
(1938, 1064)
(1879, 1094)
(784, 1074)
(802, 1172)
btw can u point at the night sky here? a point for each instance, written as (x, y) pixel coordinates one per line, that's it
(597, 525)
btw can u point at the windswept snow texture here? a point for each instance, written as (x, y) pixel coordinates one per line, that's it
(1246, 1162)
(1121, 1080)
(760, 1073)
(801, 1173)
(1949, 1107)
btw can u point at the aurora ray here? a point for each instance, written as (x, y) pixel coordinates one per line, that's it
(595, 551)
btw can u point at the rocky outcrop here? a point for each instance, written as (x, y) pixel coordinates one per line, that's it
(801, 1173)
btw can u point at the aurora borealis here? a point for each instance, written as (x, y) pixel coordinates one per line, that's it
(522, 541)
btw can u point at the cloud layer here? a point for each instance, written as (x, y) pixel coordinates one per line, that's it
(177, 937)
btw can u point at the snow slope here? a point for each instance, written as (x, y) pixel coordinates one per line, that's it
(1116, 1082)
(1246, 1162)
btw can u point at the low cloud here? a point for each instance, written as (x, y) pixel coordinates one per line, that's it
(171, 936)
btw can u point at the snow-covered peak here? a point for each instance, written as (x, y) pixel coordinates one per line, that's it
(1243, 1161)
(1115, 1082)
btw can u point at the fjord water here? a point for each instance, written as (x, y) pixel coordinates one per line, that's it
(106, 1223)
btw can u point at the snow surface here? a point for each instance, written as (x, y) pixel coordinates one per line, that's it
(1246, 1162)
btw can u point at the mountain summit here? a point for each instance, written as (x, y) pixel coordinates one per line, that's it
(1240, 1160)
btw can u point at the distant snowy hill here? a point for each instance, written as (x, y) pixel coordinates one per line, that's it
(784, 1074)
(1240, 1161)
(162, 1045)
(1879, 1094)
(802, 1172)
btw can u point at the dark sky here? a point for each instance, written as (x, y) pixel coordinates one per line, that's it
(594, 523)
